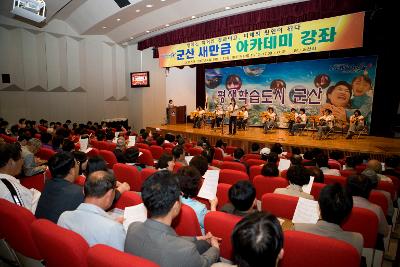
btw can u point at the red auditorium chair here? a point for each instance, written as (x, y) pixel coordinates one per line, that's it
(216, 163)
(8, 139)
(379, 199)
(109, 157)
(327, 252)
(388, 187)
(316, 190)
(347, 173)
(177, 166)
(156, 151)
(59, 247)
(194, 151)
(228, 176)
(257, 162)
(129, 174)
(144, 174)
(42, 128)
(128, 199)
(334, 165)
(218, 154)
(360, 168)
(168, 150)
(221, 224)
(110, 146)
(80, 180)
(228, 158)
(186, 223)
(36, 181)
(283, 173)
(93, 153)
(142, 145)
(254, 171)
(251, 156)
(187, 146)
(146, 158)
(45, 153)
(230, 149)
(332, 179)
(231, 165)
(282, 206)
(15, 228)
(265, 184)
(168, 145)
(102, 145)
(105, 256)
(94, 143)
(223, 194)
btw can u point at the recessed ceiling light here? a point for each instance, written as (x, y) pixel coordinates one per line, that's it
(149, 5)
(147, 31)
(104, 27)
(166, 25)
(118, 19)
(193, 17)
(131, 38)
(228, 7)
(137, 10)
(162, 0)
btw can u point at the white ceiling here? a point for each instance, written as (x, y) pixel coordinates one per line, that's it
(131, 23)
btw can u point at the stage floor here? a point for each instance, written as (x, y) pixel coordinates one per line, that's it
(378, 146)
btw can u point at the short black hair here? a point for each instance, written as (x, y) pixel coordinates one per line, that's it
(296, 150)
(359, 185)
(298, 175)
(61, 163)
(68, 145)
(270, 169)
(177, 151)
(160, 141)
(255, 147)
(9, 151)
(22, 120)
(160, 192)
(277, 148)
(322, 160)
(163, 161)
(272, 157)
(219, 143)
(317, 173)
(256, 239)
(238, 153)
(45, 137)
(131, 154)
(81, 158)
(296, 160)
(336, 155)
(96, 163)
(119, 155)
(335, 203)
(302, 109)
(189, 180)
(200, 163)
(242, 195)
(110, 135)
(98, 183)
(208, 153)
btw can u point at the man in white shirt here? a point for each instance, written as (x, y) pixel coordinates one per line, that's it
(376, 166)
(218, 117)
(300, 121)
(244, 116)
(10, 188)
(90, 219)
(326, 122)
(322, 163)
(233, 112)
(356, 123)
(270, 120)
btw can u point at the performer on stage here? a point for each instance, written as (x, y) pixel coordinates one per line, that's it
(300, 122)
(292, 118)
(170, 105)
(269, 120)
(218, 117)
(356, 123)
(243, 117)
(197, 117)
(325, 123)
(233, 112)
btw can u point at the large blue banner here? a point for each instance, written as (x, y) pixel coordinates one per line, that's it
(341, 84)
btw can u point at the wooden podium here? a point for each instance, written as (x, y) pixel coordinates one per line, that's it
(176, 114)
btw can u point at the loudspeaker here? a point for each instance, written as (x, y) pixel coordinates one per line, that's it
(122, 3)
(5, 78)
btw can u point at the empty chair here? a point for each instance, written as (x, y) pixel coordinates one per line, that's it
(332, 179)
(146, 158)
(186, 223)
(59, 247)
(222, 224)
(45, 153)
(228, 158)
(264, 184)
(15, 229)
(223, 194)
(233, 166)
(316, 190)
(194, 151)
(129, 174)
(327, 252)
(230, 149)
(128, 199)
(142, 145)
(228, 176)
(109, 157)
(282, 206)
(254, 171)
(105, 256)
(156, 151)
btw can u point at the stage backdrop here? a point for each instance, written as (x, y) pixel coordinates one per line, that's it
(341, 84)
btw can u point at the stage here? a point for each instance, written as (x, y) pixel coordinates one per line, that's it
(377, 147)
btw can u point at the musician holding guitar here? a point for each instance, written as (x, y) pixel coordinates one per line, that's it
(218, 117)
(243, 117)
(300, 121)
(197, 117)
(269, 120)
(292, 118)
(356, 123)
(325, 123)
(233, 110)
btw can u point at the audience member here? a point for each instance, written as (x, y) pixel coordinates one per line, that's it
(317, 173)
(297, 176)
(165, 162)
(376, 166)
(200, 163)
(179, 155)
(242, 197)
(31, 166)
(131, 158)
(322, 163)
(255, 148)
(270, 169)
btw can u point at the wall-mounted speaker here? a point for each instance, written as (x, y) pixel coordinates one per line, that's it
(5, 78)
(122, 3)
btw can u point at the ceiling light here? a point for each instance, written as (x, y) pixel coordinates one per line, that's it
(228, 7)
(137, 10)
(166, 25)
(147, 31)
(131, 38)
(193, 17)
(162, 0)
(149, 5)
(104, 27)
(118, 19)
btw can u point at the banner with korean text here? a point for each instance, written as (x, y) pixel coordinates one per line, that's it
(342, 32)
(340, 84)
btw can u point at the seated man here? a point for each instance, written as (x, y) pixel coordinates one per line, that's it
(297, 176)
(269, 120)
(155, 239)
(242, 197)
(10, 187)
(360, 187)
(99, 193)
(257, 240)
(200, 163)
(300, 122)
(31, 167)
(322, 163)
(326, 123)
(376, 166)
(335, 205)
(356, 124)
(179, 155)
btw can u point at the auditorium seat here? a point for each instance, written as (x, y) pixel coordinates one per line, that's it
(102, 145)
(194, 151)
(230, 149)
(360, 168)
(36, 181)
(257, 162)
(221, 224)
(228, 158)
(316, 190)
(59, 247)
(347, 173)
(379, 199)
(45, 153)
(333, 164)
(304, 250)
(156, 151)
(80, 180)
(168, 145)
(218, 154)
(94, 143)
(109, 157)
(282, 206)
(223, 194)
(187, 146)
(105, 256)
(144, 174)
(254, 171)
(186, 223)
(168, 150)
(128, 199)
(283, 173)
(8, 139)
(228, 176)
(251, 156)
(142, 145)
(177, 166)
(129, 174)
(266, 184)
(110, 146)
(15, 225)
(216, 163)
(388, 187)
(146, 158)
(332, 179)
(93, 153)
(233, 166)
